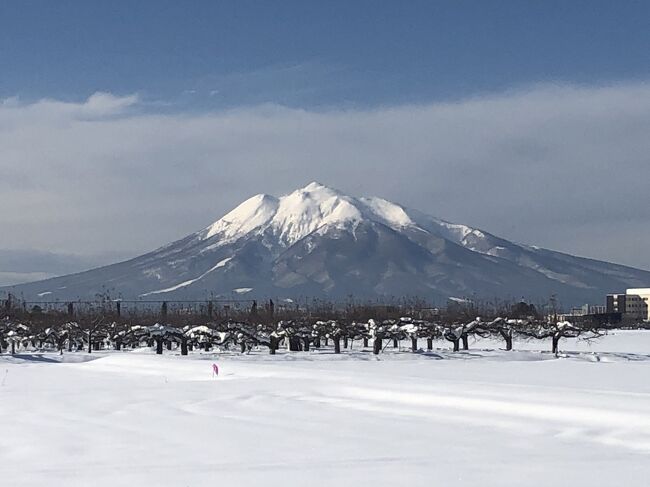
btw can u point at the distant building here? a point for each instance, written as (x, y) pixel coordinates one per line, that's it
(633, 304)
(636, 303)
(590, 313)
(587, 309)
(616, 303)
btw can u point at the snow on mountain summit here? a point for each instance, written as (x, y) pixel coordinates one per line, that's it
(390, 213)
(295, 215)
(252, 213)
(312, 207)
(290, 217)
(318, 241)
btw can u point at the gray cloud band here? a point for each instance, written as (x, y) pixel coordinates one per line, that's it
(564, 167)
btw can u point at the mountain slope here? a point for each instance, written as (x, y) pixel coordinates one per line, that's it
(317, 241)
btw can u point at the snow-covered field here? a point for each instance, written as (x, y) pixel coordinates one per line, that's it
(477, 418)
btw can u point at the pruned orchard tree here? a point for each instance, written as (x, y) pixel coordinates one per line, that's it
(12, 334)
(457, 332)
(556, 331)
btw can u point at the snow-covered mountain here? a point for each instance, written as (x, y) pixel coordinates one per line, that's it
(319, 242)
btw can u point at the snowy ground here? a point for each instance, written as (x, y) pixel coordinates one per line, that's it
(479, 418)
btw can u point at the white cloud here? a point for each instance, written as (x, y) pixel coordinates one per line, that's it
(49, 111)
(102, 104)
(558, 166)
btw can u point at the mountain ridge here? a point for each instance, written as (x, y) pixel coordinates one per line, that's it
(317, 241)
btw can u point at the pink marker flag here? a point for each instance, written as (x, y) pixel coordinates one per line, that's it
(215, 370)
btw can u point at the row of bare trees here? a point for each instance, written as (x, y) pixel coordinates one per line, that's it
(100, 333)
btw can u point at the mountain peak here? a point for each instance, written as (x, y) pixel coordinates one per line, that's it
(312, 207)
(291, 217)
(252, 213)
(376, 248)
(314, 186)
(318, 191)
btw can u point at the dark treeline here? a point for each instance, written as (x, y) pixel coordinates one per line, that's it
(188, 312)
(247, 325)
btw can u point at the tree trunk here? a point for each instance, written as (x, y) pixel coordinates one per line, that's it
(395, 343)
(345, 342)
(96, 345)
(376, 346)
(13, 348)
(508, 343)
(365, 342)
(465, 342)
(159, 346)
(118, 344)
(429, 343)
(294, 344)
(337, 345)
(169, 345)
(306, 344)
(456, 345)
(555, 343)
(414, 344)
(317, 342)
(242, 347)
(184, 346)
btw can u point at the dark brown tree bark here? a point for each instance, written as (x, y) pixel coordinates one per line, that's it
(414, 344)
(159, 346)
(337, 345)
(465, 342)
(294, 344)
(429, 343)
(184, 346)
(376, 346)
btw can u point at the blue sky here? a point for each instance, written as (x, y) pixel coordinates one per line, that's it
(212, 54)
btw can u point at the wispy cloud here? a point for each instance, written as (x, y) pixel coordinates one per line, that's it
(97, 105)
(555, 165)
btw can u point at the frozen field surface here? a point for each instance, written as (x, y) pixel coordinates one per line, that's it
(477, 418)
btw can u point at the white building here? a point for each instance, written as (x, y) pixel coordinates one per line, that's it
(636, 303)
